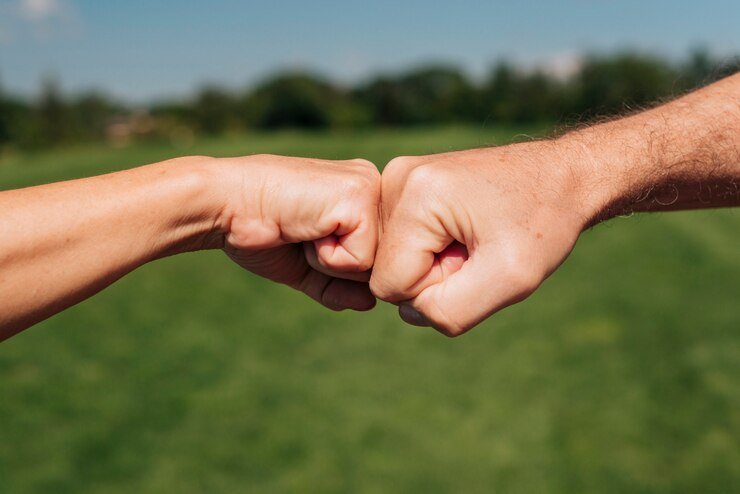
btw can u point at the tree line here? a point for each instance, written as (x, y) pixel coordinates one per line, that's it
(433, 94)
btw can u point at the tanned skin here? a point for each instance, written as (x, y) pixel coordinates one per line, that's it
(459, 236)
(468, 233)
(61, 243)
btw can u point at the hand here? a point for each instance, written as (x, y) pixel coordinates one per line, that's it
(465, 234)
(310, 224)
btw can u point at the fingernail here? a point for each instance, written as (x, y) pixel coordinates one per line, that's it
(412, 316)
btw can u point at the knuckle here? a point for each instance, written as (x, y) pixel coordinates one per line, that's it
(365, 164)
(362, 188)
(354, 263)
(400, 164)
(422, 177)
(443, 322)
(377, 287)
(381, 289)
(373, 179)
(364, 263)
(358, 183)
(367, 169)
(449, 328)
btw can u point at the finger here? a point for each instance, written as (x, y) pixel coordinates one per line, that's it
(337, 294)
(287, 264)
(313, 260)
(348, 294)
(484, 284)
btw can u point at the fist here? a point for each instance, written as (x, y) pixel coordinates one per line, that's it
(465, 234)
(310, 224)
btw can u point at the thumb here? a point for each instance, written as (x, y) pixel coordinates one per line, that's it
(484, 284)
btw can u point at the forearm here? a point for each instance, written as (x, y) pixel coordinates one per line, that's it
(681, 155)
(63, 242)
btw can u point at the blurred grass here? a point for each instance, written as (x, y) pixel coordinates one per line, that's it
(621, 374)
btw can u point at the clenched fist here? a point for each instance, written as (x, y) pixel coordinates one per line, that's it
(468, 233)
(310, 224)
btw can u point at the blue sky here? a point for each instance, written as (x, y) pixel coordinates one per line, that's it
(145, 49)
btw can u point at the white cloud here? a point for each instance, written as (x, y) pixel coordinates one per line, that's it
(563, 65)
(39, 20)
(39, 10)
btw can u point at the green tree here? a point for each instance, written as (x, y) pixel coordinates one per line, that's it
(383, 99)
(290, 100)
(514, 96)
(698, 70)
(5, 121)
(15, 119)
(214, 110)
(437, 94)
(432, 94)
(52, 116)
(89, 114)
(500, 93)
(609, 85)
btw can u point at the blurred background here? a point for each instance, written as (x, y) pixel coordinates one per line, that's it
(621, 374)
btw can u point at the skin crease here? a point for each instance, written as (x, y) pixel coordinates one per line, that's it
(459, 235)
(63, 242)
(518, 210)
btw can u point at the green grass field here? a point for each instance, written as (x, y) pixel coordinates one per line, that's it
(621, 374)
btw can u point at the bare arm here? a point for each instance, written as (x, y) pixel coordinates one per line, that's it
(63, 242)
(466, 234)
(681, 155)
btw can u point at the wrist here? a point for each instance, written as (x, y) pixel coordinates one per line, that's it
(193, 188)
(601, 172)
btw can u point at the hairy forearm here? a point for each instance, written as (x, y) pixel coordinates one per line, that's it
(681, 155)
(63, 242)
